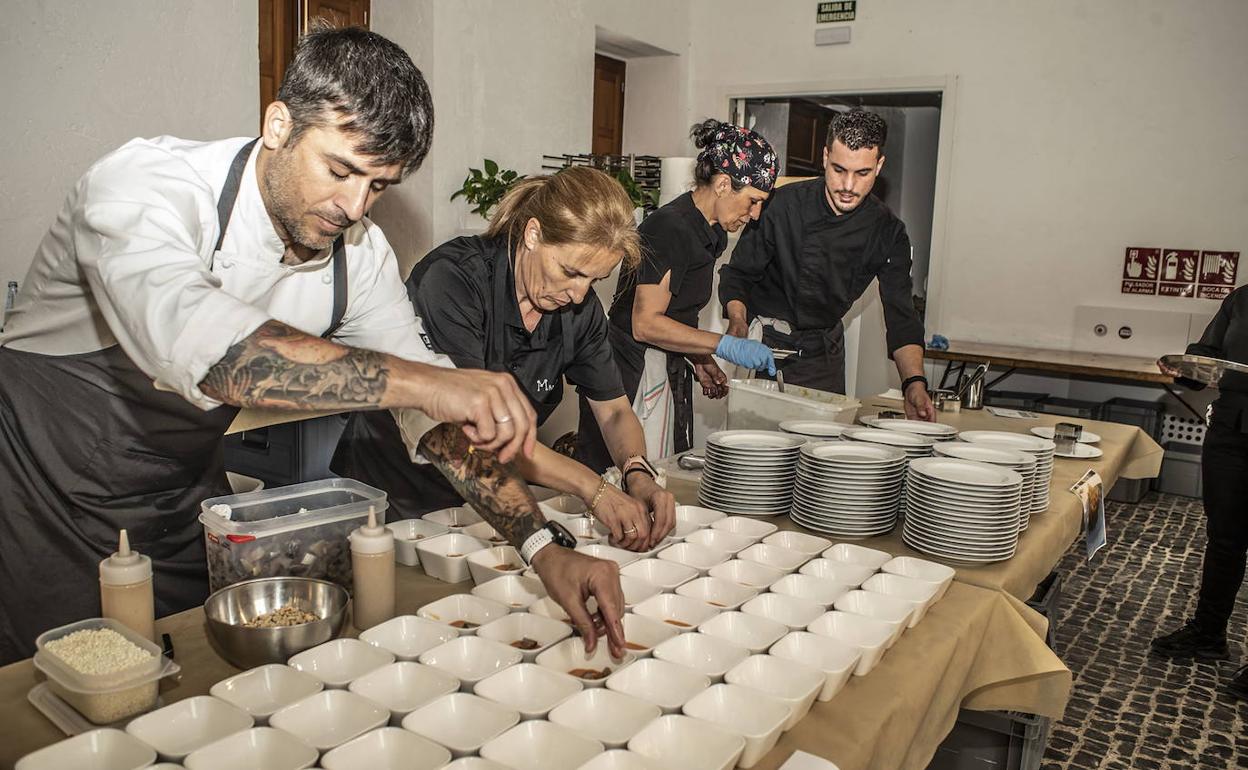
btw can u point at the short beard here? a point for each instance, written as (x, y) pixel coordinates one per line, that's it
(282, 186)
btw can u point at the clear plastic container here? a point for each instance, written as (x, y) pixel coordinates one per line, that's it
(299, 530)
(759, 405)
(104, 698)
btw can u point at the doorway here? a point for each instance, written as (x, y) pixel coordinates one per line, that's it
(608, 106)
(281, 24)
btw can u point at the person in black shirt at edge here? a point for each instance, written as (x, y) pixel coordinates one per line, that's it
(519, 300)
(798, 270)
(654, 316)
(1224, 473)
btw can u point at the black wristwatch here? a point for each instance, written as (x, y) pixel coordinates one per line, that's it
(553, 532)
(911, 380)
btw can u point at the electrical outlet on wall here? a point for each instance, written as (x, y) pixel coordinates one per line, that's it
(1130, 331)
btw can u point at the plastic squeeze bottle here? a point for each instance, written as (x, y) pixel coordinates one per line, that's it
(372, 567)
(126, 589)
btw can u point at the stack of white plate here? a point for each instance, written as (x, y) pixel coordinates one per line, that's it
(1040, 448)
(1019, 462)
(848, 489)
(962, 510)
(936, 430)
(750, 472)
(914, 445)
(820, 430)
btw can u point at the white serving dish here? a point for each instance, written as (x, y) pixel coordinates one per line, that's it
(700, 557)
(262, 691)
(471, 659)
(921, 569)
(463, 608)
(720, 540)
(869, 635)
(609, 552)
(569, 655)
(749, 631)
(390, 748)
(260, 748)
(852, 575)
(102, 749)
(515, 591)
(484, 532)
(528, 688)
(454, 519)
(790, 610)
(794, 684)
(605, 715)
(475, 763)
(756, 717)
(445, 557)
(706, 654)
(637, 590)
(681, 612)
(642, 634)
(834, 658)
(888, 609)
(562, 507)
(521, 625)
(621, 759)
(811, 545)
(822, 592)
(404, 687)
(750, 574)
(340, 661)
(853, 553)
(180, 728)
(679, 741)
(409, 532)
(919, 593)
(407, 636)
(486, 565)
(698, 516)
(667, 575)
(783, 559)
(587, 532)
(549, 608)
(744, 526)
(461, 722)
(540, 745)
(717, 592)
(665, 684)
(330, 718)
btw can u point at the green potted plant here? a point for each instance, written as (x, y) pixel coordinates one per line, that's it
(642, 199)
(485, 188)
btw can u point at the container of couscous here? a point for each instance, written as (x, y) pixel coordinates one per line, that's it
(106, 671)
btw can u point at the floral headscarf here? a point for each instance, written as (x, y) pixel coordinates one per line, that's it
(745, 156)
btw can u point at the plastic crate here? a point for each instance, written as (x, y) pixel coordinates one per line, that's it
(993, 740)
(1015, 399)
(1072, 407)
(759, 405)
(1046, 600)
(1180, 470)
(1146, 415)
(1129, 490)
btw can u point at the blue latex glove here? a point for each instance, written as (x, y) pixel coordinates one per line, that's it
(748, 353)
(939, 342)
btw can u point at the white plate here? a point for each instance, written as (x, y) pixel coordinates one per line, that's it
(1087, 437)
(919, 427)
(1081, 452)
(854, 454)
(888, 438)
(965, 472)
(1023, 441)
(754, 440)
(815, 429)
(984, 454)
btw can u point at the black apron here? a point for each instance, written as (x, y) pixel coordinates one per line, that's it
(371, 448)
(820, 359)
(87, 447)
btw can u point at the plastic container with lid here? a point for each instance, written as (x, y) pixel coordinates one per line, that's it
(299, 530)
(104, 698)
(759, 405)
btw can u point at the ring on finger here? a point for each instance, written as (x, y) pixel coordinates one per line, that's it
(504, 418)
(630, 531)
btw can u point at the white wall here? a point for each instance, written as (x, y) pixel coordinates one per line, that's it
(81, 79)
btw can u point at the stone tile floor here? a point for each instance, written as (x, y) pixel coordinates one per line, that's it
(1130, 711)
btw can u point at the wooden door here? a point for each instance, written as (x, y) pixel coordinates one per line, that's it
(279, 27)
(339, 13)
(608, 106)
(808, 130)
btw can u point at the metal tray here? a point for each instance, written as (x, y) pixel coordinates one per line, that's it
(1203, 368)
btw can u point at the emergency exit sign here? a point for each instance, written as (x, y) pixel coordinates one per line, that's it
(844, 10)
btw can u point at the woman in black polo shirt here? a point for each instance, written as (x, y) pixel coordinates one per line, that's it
(518, 299)
(654, 317)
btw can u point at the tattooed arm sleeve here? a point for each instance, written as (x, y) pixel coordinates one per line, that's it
(496, 489)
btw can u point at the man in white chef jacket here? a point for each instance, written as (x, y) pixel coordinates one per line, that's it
(183, 280)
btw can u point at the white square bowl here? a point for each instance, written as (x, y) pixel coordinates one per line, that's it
(717, 592)
(515, 591)
(667, 685)
(681, 612)
(818, 590)
(698, 516)
(869, 635)
(102, 748)
(262, 691)
(749, 631)
(637, 590)
(720, 540)
(587, 532)
(700, 557)
(568, 657)
(679, 741)
(706, 654)
(340, 661)
(791, 611)
(842, 572)
(180, 728)
(757, 717)
(834, 658)
(471, 659)
(494, 562)
(484, 532)
(528, 688)
(605, 715)
(794, 684)
(454, 519)
(387, 748)
(852, 553)
(517, 627)
(541, 745)
(475, 763)
(260, 748)
(404, 687)
(643, 634)
(461, 722)
(921, 569)
(549, 608)
(811, 545)
(667, 575)
(464, 613)
(621, 759)
(920, 593)
(407, 636)
(888, 609)
(445, 557)
(563, 506)
(330, 718)
(750, 574)
(745, 526)
(682, 530)
(409, 532)
(609, 552)
(783, 559)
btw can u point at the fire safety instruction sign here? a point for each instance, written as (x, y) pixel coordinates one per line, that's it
(1168, 272)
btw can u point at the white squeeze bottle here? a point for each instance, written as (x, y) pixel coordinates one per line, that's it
(126, 589)
(372, 568)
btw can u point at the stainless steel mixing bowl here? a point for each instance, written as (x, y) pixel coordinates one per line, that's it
(227, 610)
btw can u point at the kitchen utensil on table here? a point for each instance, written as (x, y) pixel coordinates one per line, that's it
(228, 609)
(1203, 368)
(1066, 435)
(945, 400)
(971, 391)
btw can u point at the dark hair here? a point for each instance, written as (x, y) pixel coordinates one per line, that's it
(857, 129)
(368, 82)
(703, 136)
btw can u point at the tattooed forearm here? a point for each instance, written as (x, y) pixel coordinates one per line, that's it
(496, 489)
(280, 367)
